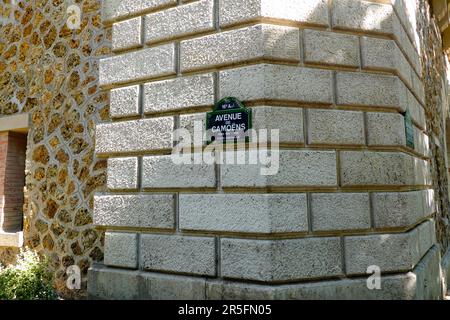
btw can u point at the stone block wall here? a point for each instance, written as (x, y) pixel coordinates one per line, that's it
(336, 78)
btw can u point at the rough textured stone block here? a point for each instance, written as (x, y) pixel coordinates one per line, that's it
(126, 34)
(331, 48)
(384, 54)
(114, 9)
(180, 93)
(278, 260)
(180, 21)
(422, 172)
(421, 142)
(134, 136)
(138, 65)
(340, 211)
(162, 172)
(249, 43)
(187, 121)
(362, 15)
(429, 276)
(418, 87)
(255, 213)
(121, 250)
(307, 11)
(376, 168)
(296, 168)
(276, 82)
(385, 129)
(393, 287)
(416, 110)
(139, 211)
(429, 205)
(422, 283)
(390, 252)
(231, 290)
(405, 44)
(112, 284)
(289, 122)
(122, 173)
(397, 209)
(180, 254)
(427, 236)
(156, 286)
(335, 127)
(124, 102)
(370, 90)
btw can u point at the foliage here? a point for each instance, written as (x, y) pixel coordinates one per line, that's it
(28, 279)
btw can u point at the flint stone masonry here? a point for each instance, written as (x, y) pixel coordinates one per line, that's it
(183, 20)
(386, 129)
(138, 65)
(134, 136)
(124, 102)
(331, 48)
(179, 254)
(277, 82)
(121, 250)
(138, 211)
(340, 211)
(296, 168)
(253, 213)
(127, 34)
(114, 9)
(162, 172)
(180, 93)
(122, 173)
(335, 127)
(256, 42)
(281, 260)
(238, 11)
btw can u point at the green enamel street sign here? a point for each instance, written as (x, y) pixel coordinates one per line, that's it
(409, 130)
(229, 121)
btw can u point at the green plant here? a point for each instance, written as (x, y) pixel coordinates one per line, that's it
(28, 279)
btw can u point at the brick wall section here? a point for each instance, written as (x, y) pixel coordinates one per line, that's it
(12, 180)
(349, 192)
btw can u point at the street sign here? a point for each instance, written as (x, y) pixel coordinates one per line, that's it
(229, 121)
(409, 130)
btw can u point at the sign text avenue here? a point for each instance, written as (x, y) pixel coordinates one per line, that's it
(229, 121)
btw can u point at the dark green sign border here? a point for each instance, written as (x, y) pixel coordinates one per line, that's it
(409, 129)
(241, 108)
